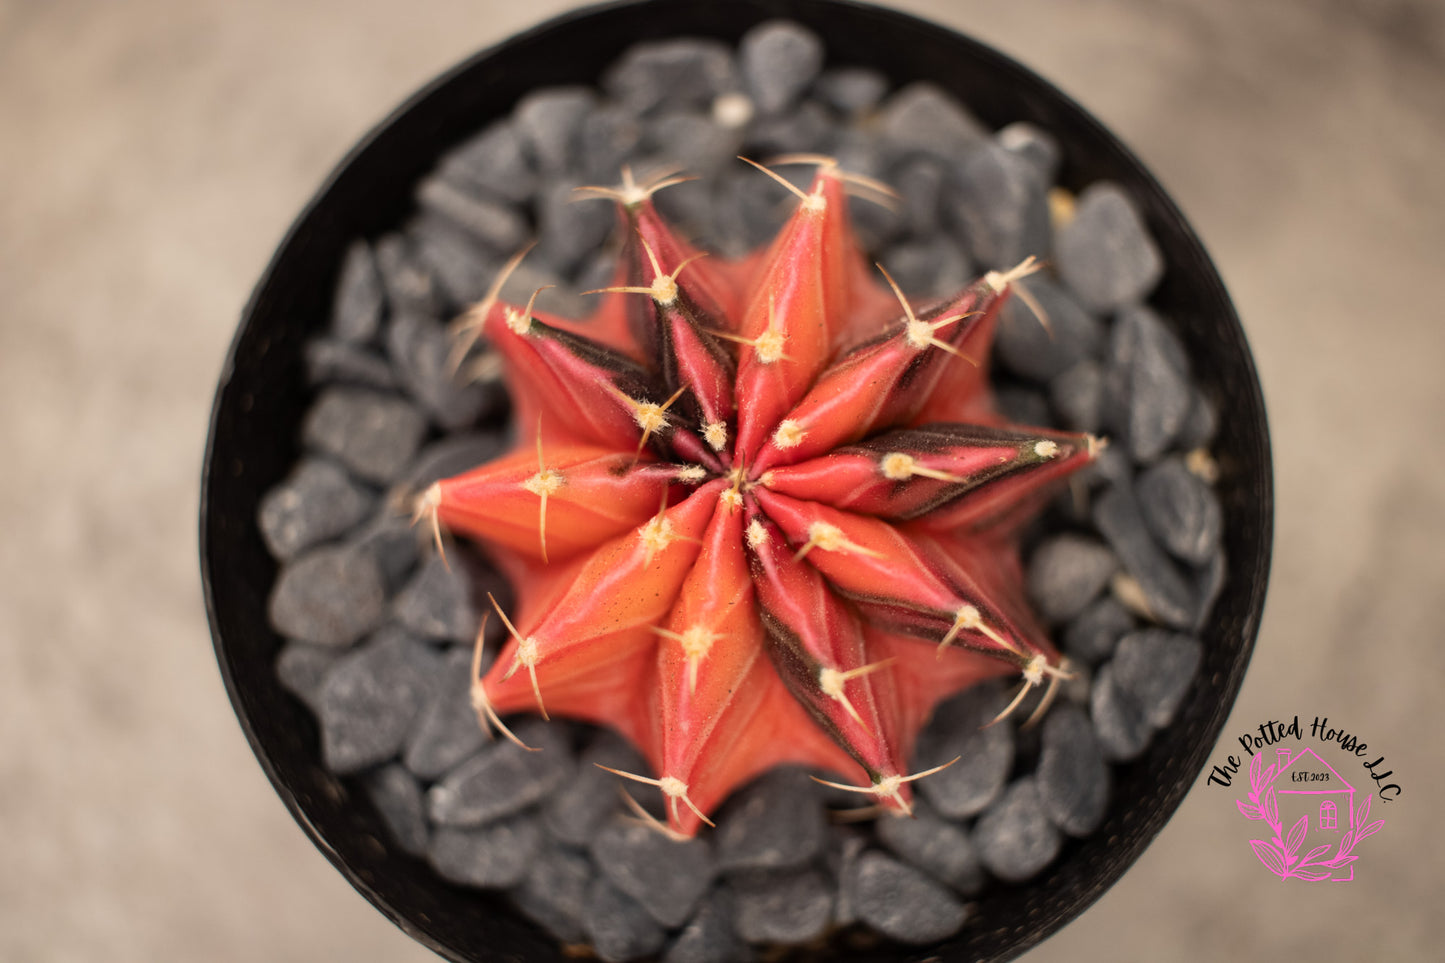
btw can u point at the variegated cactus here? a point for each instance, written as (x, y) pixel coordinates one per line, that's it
(761, 512)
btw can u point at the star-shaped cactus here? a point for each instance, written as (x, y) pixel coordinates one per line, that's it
(762, 512)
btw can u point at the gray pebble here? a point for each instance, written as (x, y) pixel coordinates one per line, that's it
(1170, 596)
(370, 699)
(580, 806)
(1021, 405)
(935, 266)
(569, 230)
(1072, 779)
(921, 118)
(1000, 209)
(1209, 583)
(1034, 145)
(985, 755)
(494, 161)
(935, 845)
(806, 129)
(496, 855)
(553, 894)
(1065, 574)
(779, 60)
(532, 275)
(1105, 253)
(920, 181)
(408, 285)
(776, 822)
(329, 596)
(619, 928)
(447, 731)
(788, 906)
(302, 667)
(1092, 636)
(1200, 424)
(549, 122)
(1180, 510)
(316, 502)
(397, 797)
(454, 455)
(666, 877)
(1155, 667)
(496, 226)
(332, 360)
(1014, 837)
(1077, 395)
(680, 74)
(503, 778)
(357, 307)
(1112, 466)
(610, 137)
(903, 904)
(694, 141)
(851, 90)
(1118, 719)
(1149, 376)
(709, 937)
(841, 856)
(437, 603)
(461, 266)
(373, 434)
(1032, 350)
(391, 540)
(420, 351)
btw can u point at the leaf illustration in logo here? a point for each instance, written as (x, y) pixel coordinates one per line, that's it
(1315, 853)
(1271, 807)
(1312, 875)
(1369, 830)
(1269, 855)
(1296, 836)
(1256, 773)
(1249, 812)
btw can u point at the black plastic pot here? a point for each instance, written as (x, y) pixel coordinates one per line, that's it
(262, 396)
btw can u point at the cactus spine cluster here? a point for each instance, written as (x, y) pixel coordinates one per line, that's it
(760, 512)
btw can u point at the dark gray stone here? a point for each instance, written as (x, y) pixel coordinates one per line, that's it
(666, 877)
(806, 129)
(503, 778)
(1077, 395)
(999, 208)
(336, 361)
(788, 906)
(779, 60)
(1148, 377)
(709, 937)
(393, 542)
(495, 162)
(672, 74)
(985, 754)
(1155, 667)
(496, 226)
(845, 848)
(370, 699)
(776, 822)
(302, 667)
(373, 434)
(617, 925)
(437, 603)
(408, 285)
(447, 731)
(420, 353)
(1072, 779)
(1092, 636)
(532, 275)
(1105, 254)
(580, 806)
(1014, 837)
(553, 894)
(1170, 596)
(611, 136)
(1209, 582)
(549, 122)
(1180, 510)
(921, 181)
(316, 502)
(1021, 405)
(921, 118)
(460, 264)
(1118, 718)
(1066, 572)
(1200, 424)
(902, 903)
(932, 267)
(1040, 348)
(397, 797)
(357, 308)
(696, 142)
(329, 596)
(454, 455)
(493, 856)
(1035, 146)
(938, 847)
(570, 229)
(851, 90)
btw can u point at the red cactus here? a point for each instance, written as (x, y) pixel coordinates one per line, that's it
(760, 514)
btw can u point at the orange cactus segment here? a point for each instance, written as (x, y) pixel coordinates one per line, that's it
(553, 503)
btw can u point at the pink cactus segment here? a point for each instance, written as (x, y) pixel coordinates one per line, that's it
(965, 473)
(552, 506)
(701, 363)
(707, 282)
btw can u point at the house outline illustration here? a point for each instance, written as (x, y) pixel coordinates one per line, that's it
(1329, 804)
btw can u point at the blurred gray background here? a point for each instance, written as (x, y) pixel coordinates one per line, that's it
(153, 152)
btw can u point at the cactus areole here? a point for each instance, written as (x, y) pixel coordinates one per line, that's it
(759, 512)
